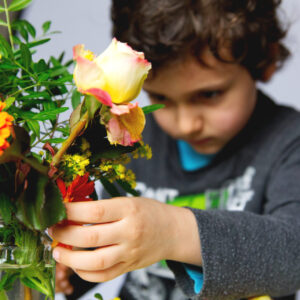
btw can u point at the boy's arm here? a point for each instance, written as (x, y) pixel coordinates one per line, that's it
(245, 254)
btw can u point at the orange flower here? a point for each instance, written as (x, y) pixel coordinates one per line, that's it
(77, 191)
(5, 128)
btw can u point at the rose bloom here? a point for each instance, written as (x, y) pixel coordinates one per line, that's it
(114, 78)
(117, 74)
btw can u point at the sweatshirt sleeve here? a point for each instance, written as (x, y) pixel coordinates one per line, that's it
(245, 254)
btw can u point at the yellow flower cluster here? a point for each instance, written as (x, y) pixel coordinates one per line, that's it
(115, 170)
(75, 164)
(143, 151)
(84, 147)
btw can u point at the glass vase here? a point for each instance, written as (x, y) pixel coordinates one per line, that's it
(27, 269)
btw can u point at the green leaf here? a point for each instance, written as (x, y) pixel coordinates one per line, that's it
(2, 9)
(40, 66)
(55, 62)
(34, 127)
(43, 77)
(76, 99)
(6, 208)
(75, 115)
(41, 204)
(18, 4)
(9, 101)
(37, 278)
(110, 187)
(19, 26)
(25, 115)
(46, 26)
(16, 40)
(58, 71)
(127, 188)
(65, 130)
(92, 105)
(2, 23)
(26, 56)
(3, 295)
(30, 28)
(8, 279)
(37, 43)
(151, 108)
(49, 105)
(32, 44)
(98, 296)
(5, 47)
(36, 95)
(49, 115)
(55, 140)
(8, 66)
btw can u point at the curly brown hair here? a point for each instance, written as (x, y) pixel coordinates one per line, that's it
(168, 30)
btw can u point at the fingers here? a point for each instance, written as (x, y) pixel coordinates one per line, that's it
(93, 260)
(101, 211)
(102, 276)
(62, 283)
(88, 236)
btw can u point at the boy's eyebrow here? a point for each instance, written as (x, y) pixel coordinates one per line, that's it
(212, 87)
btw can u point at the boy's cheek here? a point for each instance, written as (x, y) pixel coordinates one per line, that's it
(165, 119)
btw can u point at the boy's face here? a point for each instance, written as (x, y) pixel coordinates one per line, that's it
(205, 105)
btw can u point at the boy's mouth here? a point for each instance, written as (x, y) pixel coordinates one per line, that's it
(199, 142)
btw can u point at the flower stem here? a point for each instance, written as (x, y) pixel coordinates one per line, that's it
(67, 143)
(34, 164)
(27, 293)
(8, 25)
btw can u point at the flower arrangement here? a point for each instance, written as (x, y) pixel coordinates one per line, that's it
(46, 160)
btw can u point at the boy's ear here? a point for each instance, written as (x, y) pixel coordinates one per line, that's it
(268, 73)
(272, 67)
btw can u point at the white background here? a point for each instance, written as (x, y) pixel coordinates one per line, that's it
(87, 22)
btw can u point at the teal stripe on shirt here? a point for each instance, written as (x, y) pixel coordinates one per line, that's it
(191, 161)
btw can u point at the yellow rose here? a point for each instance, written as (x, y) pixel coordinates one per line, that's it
(115, 76)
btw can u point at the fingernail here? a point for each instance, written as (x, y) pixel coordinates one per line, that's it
(59, 275)
(69, 291)
(55, 254)
(64, 284)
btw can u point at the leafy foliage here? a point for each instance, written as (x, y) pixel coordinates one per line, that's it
(43, 148)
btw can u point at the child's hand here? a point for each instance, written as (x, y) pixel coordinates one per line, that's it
(128, 234)
(62, 283)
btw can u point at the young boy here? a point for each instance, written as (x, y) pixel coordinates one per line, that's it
(224, 154)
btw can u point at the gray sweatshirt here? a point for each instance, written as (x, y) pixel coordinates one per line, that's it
(247, 205)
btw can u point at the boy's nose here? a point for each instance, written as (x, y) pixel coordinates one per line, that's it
(189, 121)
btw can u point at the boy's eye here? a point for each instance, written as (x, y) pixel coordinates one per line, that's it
(157, 97)
(210, 94)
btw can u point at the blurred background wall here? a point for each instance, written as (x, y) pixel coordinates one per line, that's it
(88, 22)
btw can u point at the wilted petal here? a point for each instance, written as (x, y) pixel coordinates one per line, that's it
(126, 125)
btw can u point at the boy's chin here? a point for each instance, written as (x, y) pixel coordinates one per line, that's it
(208, 147)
